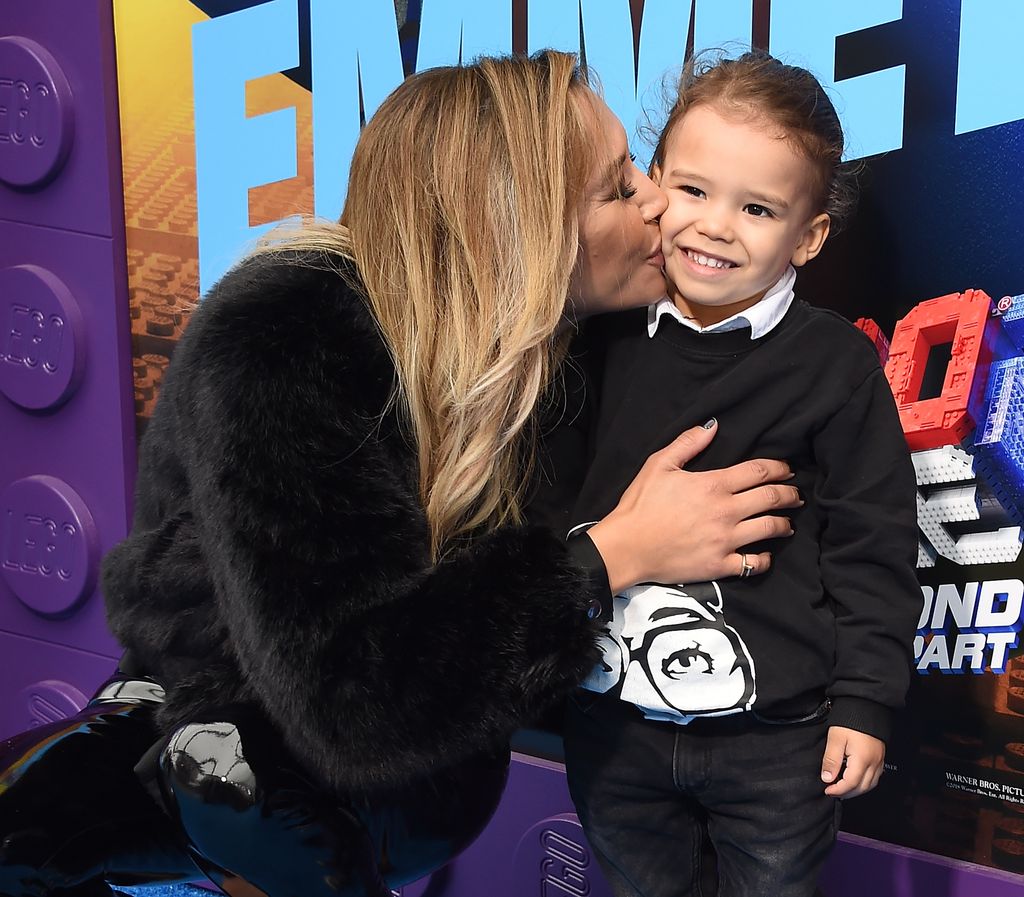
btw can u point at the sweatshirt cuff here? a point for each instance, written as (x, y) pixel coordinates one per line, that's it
(585, 555)
(862, 715)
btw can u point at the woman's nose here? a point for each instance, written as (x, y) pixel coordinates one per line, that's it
(652, 199)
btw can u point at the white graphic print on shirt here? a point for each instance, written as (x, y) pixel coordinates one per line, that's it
(669, 651)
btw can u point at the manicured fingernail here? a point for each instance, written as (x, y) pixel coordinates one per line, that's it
(710, 424)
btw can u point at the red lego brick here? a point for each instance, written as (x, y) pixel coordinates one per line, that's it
(876, 336)
(960, 318)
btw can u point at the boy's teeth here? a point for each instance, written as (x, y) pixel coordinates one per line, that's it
(708, 262)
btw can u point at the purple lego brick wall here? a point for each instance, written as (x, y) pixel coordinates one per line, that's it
(68, 451)
(860, 866)
(535, 846)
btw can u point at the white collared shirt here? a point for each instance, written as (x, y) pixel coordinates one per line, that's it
(760, 317)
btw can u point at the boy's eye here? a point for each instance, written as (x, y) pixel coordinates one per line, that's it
(692, 191)
(758, 211)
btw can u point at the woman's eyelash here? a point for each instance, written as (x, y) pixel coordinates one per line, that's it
(626, 190)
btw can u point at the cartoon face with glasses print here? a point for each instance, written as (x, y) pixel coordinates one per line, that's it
(671, 652)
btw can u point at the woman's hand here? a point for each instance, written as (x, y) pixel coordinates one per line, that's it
(672, 525)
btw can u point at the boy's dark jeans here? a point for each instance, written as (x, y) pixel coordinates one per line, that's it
(650, 794)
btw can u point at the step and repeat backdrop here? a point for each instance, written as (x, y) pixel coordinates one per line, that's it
(236, 115)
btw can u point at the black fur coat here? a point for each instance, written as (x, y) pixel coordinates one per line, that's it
(279, 555)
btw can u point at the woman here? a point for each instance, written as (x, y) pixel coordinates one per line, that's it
(328, 569)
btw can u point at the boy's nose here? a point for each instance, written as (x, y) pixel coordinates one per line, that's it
(715, 224)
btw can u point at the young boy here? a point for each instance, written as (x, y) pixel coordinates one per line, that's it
(742, 710)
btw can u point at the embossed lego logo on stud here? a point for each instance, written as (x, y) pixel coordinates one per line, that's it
(33, 338)
(41, 338)
(23, 112)
(564, 866)
(36, 114)
(48, 546)
(40, 546)
(51, 701)
(553, 859)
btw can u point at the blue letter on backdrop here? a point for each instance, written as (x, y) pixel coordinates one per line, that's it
(990, 87)
(724, 25)
(635, 94)
(454, 31)
(607, 38)
(664, 32)
(234, 153)
(351, 52)
(871, 106)
(718, 24)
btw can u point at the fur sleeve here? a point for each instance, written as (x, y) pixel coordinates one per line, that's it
(375, 665)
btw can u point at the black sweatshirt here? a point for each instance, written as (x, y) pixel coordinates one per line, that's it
(835, 616)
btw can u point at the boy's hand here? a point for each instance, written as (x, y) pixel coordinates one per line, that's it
(863, 757)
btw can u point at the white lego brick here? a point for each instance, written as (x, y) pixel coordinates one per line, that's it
(954, 505)
(1001, 546)
(947, 464)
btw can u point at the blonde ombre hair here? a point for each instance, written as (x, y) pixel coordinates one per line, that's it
(461, 218)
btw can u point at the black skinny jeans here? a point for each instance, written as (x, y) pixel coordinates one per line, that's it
(651, 795)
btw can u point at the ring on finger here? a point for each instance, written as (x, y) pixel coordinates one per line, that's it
(747, 567)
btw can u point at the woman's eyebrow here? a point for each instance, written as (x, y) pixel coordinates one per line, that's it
(614, 167)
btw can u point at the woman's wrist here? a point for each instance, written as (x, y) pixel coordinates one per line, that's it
(611, 539)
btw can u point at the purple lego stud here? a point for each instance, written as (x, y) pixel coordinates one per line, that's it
(553, 857)
(49, 550)
(37, 122)
(50, 701)
(42, 350)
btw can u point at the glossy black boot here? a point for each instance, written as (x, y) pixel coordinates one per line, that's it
(253, 818)
(73, 813)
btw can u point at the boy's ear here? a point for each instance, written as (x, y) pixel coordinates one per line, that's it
(813, 239)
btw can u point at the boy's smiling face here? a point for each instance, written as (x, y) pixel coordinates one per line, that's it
(740, 209)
